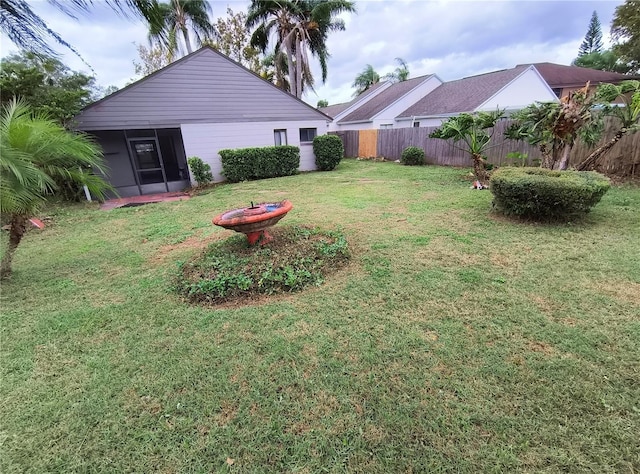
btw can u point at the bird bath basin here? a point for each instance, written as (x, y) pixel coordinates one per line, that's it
(253, 221)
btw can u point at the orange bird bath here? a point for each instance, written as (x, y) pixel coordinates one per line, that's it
(253, 221)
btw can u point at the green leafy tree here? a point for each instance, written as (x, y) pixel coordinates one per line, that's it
(401, 73)
(232, 39)
(274, 68)
(473, 130)
(592, 42)
(300, 27)
(627, 115)
(35, 153)
(322, 103)
(365, 80)
(152, 59)
(180, 19)
(606, 60)
(47, 85)
(555, 126)
(625, 30)
(30, 32)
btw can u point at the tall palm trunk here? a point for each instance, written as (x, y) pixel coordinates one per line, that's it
(187, 42)
(16, 232)
(292, 74)
(592, 160)
(298, 66)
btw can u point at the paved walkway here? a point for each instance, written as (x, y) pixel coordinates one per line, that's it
(140, 200)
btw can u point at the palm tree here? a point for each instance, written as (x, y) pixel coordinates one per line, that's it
(180, 17)
(300, 27)
(475, 132)
(365, 80)
(34, 152)
(274, 69)
(555, 126)
(628, 115)
(401, 73)
(30, 32)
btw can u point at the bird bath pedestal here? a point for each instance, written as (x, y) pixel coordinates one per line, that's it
(253, 221)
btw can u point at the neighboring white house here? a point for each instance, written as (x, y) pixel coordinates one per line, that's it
(378, 106)
(427, 101)
(509, 89)
(197, 106)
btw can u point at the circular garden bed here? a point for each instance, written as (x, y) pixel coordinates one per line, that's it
(231, 270)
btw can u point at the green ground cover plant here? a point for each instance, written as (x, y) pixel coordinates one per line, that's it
(232, 270)
(455, 340)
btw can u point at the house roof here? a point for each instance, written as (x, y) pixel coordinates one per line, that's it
(384, 99)
(559, 75)
(463, 95)
(202, 87)
(335, 110)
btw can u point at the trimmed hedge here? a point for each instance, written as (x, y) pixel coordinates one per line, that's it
(540, 193)
(244, 164)
(412, 156)
(328, 150)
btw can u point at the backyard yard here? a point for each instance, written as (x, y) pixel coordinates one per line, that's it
(454, 340)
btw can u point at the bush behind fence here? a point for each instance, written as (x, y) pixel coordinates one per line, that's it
(623, 159)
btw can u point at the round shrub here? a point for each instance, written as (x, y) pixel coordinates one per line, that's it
(412, 156)
(539, 193)
(200, 170)
(329, 150)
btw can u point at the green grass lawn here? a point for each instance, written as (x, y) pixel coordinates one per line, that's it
(454, 341)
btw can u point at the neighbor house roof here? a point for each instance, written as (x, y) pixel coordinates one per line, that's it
(559, 75)
(383, 100)
(334, 110)
(463, 95)
(202, 87)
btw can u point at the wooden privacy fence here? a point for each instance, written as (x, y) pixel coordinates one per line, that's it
(623, 159)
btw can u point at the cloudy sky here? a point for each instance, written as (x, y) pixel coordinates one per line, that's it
(450, 38)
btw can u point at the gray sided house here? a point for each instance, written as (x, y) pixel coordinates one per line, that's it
(196, 106)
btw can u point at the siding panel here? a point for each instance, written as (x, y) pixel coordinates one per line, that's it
(206, 140)
(205, 87)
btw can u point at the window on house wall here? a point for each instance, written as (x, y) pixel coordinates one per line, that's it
(308, 134)
(280, 137)
(416, 124)
(386, 125)
(558, 91)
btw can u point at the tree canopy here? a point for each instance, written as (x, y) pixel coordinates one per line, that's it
(592, 42)
(300, 28)
(47, 85)
(178, 20)
(625, 30)
(606, 60)
(399, 74)
(233, 40)
(365, 80)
